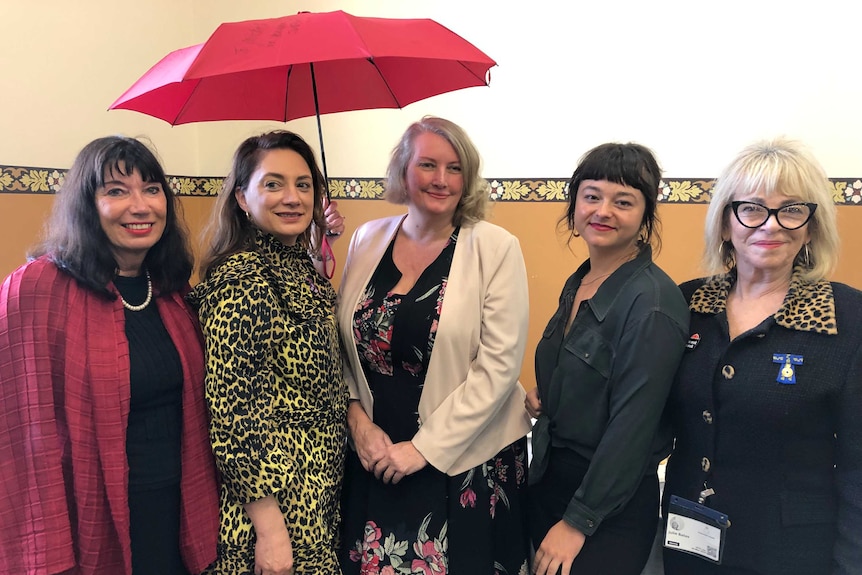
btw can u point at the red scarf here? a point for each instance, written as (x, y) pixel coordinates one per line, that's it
(64, 407)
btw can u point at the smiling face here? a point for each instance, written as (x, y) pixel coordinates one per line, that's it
(132, 213)
(434, 180)
(769, 247)
(609, 216)
(279, 198)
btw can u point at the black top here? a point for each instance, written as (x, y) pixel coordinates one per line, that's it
(604, 384)
(395, 334)
(156, 374)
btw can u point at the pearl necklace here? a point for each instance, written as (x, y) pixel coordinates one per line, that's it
(147, 301)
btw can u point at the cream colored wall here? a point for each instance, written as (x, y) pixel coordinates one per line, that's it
(63, 63)
(694, 81)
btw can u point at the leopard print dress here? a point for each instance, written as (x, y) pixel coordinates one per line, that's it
(277, 401)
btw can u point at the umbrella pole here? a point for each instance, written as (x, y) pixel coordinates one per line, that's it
(319, 130)
(325, 239)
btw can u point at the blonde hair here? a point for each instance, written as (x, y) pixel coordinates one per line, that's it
(778, 166)
(474, 202)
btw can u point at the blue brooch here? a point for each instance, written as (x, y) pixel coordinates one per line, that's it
(787, 373)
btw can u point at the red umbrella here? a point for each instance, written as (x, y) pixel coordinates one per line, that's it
(306, 64)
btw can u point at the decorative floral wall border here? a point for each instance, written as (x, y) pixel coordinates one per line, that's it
(30, 180)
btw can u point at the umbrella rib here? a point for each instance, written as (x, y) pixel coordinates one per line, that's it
(395, 98)
(286, 90)
(463, 65)
(385, 83)
(186, 103)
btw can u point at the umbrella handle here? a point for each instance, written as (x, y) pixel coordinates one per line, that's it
(328, 256)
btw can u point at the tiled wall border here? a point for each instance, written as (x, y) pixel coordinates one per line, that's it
(33, 180)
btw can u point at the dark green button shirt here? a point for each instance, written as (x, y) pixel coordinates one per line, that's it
(604, 384)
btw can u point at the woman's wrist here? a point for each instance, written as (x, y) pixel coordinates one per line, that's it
(356, 417)
(266, 516)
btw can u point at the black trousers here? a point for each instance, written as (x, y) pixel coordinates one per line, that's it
(622, 543)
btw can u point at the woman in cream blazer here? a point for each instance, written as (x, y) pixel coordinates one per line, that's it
(438, 464)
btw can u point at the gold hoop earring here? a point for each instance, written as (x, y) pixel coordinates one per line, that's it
(726, 258)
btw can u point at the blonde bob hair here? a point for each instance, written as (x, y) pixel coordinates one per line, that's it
(474, 202)
(778, 166)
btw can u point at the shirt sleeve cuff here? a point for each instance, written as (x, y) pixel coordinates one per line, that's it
(582, 518)
(248, 481)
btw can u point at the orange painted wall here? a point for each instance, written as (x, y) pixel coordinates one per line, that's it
(549, 261)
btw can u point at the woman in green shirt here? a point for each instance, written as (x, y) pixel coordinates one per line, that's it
(604, 368)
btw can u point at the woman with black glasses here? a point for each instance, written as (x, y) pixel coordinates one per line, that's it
(766, 475)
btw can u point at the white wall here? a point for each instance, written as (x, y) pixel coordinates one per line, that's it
(695, 81)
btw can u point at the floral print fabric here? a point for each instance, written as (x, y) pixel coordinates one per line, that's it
(429, 523)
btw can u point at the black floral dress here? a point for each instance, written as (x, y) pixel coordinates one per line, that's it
(428, 523)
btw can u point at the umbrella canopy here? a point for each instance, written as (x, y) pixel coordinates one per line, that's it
(304, 65)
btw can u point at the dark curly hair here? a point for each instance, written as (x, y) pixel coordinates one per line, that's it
(74, 239)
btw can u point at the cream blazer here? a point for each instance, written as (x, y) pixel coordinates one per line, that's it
(472, 404)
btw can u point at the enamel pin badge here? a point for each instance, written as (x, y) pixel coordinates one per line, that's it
(693, 340)
(788, 361)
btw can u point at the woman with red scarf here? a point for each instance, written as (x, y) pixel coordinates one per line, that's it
(106, 461)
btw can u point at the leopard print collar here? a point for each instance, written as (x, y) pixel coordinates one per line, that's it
(277, 252)
(808, 306)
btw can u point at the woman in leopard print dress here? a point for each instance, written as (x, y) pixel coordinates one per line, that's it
(274, 385)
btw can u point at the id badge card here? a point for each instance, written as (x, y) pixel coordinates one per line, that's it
(695, 529)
